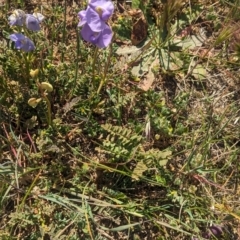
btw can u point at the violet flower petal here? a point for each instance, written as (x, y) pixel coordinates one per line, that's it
(105, 37)
(22, 42)
(82, 17)
(105, 8)
(94, 21)
(16, 36)
(100, 39)
(106, 15)
(32, 23)
(17, 18)
(216, 230)
(89, 35)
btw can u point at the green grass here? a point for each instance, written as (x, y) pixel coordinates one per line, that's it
(143, 145)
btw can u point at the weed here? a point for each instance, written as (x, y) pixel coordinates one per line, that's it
(100, 139)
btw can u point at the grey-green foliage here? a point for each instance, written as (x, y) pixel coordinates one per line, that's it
(126, 99)
(120, 143)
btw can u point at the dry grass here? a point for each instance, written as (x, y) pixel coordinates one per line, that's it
(126, 162)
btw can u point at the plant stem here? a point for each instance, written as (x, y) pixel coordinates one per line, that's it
(76, 67)
(27, 68)
(29, 190)
(64, 29)
(103, 80)
(49, 113)
(100, 86)
(94, 62)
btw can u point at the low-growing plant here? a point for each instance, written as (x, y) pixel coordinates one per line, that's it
(119, 120)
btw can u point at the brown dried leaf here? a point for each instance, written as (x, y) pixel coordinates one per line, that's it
(140, 26)
(69, 105)
(147, 82)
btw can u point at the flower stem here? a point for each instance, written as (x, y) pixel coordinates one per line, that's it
(64, 29)
(100, 86)
(76, 68)
(49, 111)
(26, 57)
(94, 62)
(103, 80)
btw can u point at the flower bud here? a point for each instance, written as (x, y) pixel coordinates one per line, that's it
(33, 102)
(34, 73)
(46, 86)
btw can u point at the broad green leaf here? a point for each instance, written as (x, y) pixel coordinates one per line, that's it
(170, 61)
(199, 72)
(191, 41)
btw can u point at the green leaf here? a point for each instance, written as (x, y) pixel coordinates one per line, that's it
(199, 72)
(55, 199)
(165, 154)
(174, 228)
(138, 170)
(135, 3)
(191, 42)
(170, 61)
(163, 162)
(121, 228)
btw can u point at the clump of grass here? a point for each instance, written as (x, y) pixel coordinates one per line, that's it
(86, 153)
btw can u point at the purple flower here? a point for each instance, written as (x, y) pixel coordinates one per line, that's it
(93, 20)
(214, 230)
(82, 16)
(96, 14)
(17, 18)
(104, 8)
(22, 42)
(33, 21)
(100, 39)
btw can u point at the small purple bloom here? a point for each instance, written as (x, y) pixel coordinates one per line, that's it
(93, 20)
(17, 18)
(104, 8)
(22, 42)
(96, 14)
(100, 39)
(214, 230)
(33, 21)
